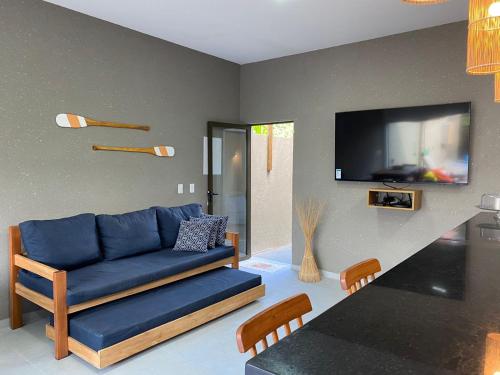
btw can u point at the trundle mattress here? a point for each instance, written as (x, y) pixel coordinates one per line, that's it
(108, 324)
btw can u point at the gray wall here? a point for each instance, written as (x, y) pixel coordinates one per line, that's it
(54, 60)
(416, 68)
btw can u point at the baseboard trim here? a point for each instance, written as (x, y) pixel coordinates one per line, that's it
(326, 274)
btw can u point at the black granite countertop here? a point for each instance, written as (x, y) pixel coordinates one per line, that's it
(431, 314)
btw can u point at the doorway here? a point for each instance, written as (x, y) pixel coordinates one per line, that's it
(249, 170)
(271, 191)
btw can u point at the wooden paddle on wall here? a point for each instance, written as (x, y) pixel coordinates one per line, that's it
(69, 120)
(162, 151)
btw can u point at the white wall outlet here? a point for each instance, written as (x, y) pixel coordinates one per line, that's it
(191, 188)
(180, 188)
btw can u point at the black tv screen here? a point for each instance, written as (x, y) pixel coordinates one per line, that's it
(428, 144)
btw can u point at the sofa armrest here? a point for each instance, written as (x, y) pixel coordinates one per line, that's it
(234, 237)
(38, 268)
(57, 305)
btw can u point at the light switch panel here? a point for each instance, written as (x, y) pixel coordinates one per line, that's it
(191, 188)
(180, 188)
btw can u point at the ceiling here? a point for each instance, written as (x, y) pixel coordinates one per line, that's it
(245, 31)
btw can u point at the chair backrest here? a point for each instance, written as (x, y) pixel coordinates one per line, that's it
(268, 321)
(357, 276)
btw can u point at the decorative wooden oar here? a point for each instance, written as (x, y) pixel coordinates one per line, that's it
(69, 120)
(162, 151)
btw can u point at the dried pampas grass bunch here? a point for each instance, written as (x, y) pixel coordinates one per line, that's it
(309, 212)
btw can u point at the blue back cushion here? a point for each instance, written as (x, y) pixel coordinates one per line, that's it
(169, 221)
(128, 234)
(65, 244)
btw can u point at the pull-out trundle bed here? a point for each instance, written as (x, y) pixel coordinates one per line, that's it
(108, 333)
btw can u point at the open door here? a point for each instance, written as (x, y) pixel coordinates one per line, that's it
(229, 177)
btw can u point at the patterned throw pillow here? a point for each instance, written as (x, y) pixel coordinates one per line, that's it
(213, 233)
(221, 231)
(194, 236)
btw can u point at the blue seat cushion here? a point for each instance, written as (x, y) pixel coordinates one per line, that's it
(108, 324)
(64, 244)
(128, 234)
(169, 221)
(106, 277)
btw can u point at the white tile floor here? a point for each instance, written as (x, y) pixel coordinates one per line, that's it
(209, 349)
(281, 254)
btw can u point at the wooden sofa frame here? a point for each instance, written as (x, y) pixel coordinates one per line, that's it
(58, 305)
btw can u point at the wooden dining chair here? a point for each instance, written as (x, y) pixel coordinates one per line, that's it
(268, 321)
(357, 276)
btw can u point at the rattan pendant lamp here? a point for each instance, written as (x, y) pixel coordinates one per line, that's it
(483, 40)
(484, 14)
(483, 52)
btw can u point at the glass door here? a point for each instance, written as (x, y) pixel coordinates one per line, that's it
(228, 177)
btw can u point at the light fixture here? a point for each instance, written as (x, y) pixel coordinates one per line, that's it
(497, 88)
(424, 2)
(483, 52)
(484, 14)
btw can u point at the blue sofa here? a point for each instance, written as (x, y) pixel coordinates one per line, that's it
(77, 263)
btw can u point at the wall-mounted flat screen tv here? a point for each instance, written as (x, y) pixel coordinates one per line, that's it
(428, 144)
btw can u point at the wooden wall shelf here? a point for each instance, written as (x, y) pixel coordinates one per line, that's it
(412, 199)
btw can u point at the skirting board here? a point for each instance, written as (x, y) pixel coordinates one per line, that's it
(327, 274)
(154, 336)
